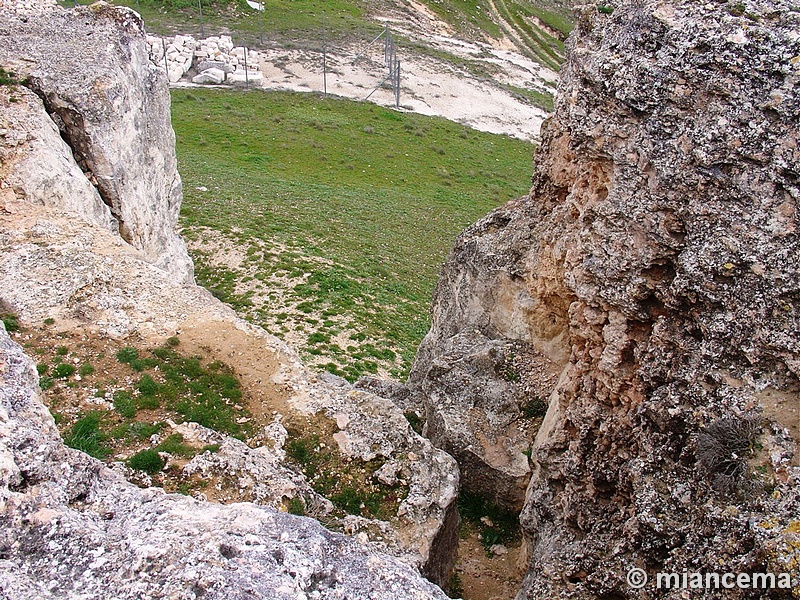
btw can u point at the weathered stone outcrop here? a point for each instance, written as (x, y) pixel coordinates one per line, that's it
(112, 108)
(69, 527)
(86, 238)
(655, 265)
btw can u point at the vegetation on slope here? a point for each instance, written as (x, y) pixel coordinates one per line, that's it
(326, 221)
(538, 28)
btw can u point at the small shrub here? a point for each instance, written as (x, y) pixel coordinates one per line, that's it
(723, 448)
(173, 342)
(148, 461)
(85, 435)
(49, 321)
(45, 383)
(10, 321)
(534, 408)
(210, 448)
(127, 354)
(63, 370)
(124, 405)
(42, 368)
(62, 351)
(85, 369)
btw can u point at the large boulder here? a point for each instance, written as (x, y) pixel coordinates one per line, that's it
(653, 265)
(211, 75)
(112, 108)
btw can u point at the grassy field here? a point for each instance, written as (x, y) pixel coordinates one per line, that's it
(326, 221)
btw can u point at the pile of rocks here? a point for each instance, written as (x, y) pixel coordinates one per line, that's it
(214, 60)
(27, 7)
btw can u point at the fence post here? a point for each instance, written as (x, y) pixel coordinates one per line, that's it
(166, 67)
(246, 74)
(262, 24)
(397, 88)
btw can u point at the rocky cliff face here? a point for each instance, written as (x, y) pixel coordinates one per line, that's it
(111, 109)
(654, 267)
(89, 198)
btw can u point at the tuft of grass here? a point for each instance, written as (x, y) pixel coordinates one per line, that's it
(296, 507)
(174, 445)
(8, 77)
(124, 404)
(11, 322)
(63, 370)
(85, 435)
(85, 370)
(148, 461)
(127, 354)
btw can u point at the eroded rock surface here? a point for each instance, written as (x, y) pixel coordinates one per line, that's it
(86, 239)
(111, 106)
(654, 264)
(73, 528)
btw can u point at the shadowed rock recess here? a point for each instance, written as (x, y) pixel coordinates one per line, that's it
(655, 267)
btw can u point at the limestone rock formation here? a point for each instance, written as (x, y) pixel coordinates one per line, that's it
(73, 528)
(112, 108)
(87, 238)
(655, 266)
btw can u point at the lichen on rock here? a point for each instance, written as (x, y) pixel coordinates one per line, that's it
(654, 263)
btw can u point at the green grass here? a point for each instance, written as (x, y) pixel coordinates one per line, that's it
(348, 483)
(495, 525)
(358, 222)
(148, 461)
(292, 23)
(86, 436)
(10, 321)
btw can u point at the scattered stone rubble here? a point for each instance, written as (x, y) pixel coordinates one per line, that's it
(214, 60)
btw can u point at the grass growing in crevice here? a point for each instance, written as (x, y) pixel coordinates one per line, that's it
(117, 405)
(495, 525)
(85, 435)
(342, 213)
(349, 483)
